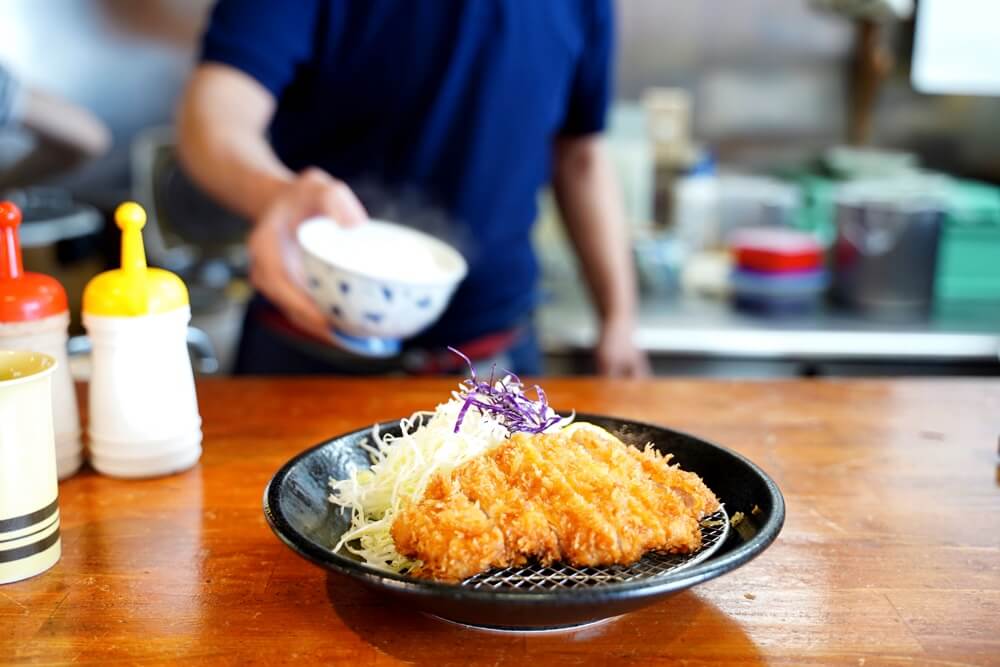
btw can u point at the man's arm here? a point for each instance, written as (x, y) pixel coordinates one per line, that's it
(222, 125)
(64, 124)
(592, 211)
(65, 134)
(222, 122)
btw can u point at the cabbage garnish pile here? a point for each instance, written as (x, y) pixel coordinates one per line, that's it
(479, 416)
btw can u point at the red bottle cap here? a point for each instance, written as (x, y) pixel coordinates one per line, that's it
(23, 296)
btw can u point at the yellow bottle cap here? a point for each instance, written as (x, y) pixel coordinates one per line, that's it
(133, 289)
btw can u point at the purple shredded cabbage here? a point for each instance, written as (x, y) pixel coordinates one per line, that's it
(505, 400)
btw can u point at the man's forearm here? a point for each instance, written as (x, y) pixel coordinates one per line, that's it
(64, 125)
(591, 207)
(65, 136)
(222, 123)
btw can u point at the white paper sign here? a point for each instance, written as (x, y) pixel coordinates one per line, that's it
(957, 47)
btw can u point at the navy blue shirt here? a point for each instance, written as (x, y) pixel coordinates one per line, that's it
(440, 114)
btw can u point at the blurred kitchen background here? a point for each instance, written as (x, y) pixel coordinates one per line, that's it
(813, 186)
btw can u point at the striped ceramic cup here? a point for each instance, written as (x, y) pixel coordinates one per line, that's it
(29, 503)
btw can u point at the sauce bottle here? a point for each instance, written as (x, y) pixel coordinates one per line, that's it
(34, 316)
(144, 419)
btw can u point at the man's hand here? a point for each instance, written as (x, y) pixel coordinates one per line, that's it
(616, 353)
(275, 258)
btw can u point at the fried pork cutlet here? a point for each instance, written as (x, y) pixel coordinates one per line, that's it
(579, 496)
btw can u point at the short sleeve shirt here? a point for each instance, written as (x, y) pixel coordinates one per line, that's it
(440, 114)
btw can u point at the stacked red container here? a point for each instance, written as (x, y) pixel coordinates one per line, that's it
(777, 270)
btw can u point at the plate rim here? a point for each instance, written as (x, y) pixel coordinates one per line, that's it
(686, 577)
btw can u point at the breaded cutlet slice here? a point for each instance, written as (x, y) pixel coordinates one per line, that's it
(579, 496)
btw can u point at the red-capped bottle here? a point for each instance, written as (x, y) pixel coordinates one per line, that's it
(34, 315)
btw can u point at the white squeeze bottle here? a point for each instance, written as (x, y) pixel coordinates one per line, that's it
(144, 418)
(34, 316)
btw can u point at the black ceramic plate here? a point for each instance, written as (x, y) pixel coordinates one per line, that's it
(534, 598)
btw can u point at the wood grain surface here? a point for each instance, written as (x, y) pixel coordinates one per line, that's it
(890, 553)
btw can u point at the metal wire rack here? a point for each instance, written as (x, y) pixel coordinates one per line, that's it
(534, 577)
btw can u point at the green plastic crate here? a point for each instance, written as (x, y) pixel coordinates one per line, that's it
(969, 257)
(817, 211)
(968, 266)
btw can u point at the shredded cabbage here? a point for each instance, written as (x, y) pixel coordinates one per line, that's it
(402, 466)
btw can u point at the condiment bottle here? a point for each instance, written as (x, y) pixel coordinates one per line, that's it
(34, 316)
(144, 418)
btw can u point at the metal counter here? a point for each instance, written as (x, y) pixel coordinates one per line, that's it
(687, 327)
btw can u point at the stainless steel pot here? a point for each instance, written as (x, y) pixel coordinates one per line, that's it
(885, 255)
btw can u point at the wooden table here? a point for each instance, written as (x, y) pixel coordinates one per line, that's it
(890, 553)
